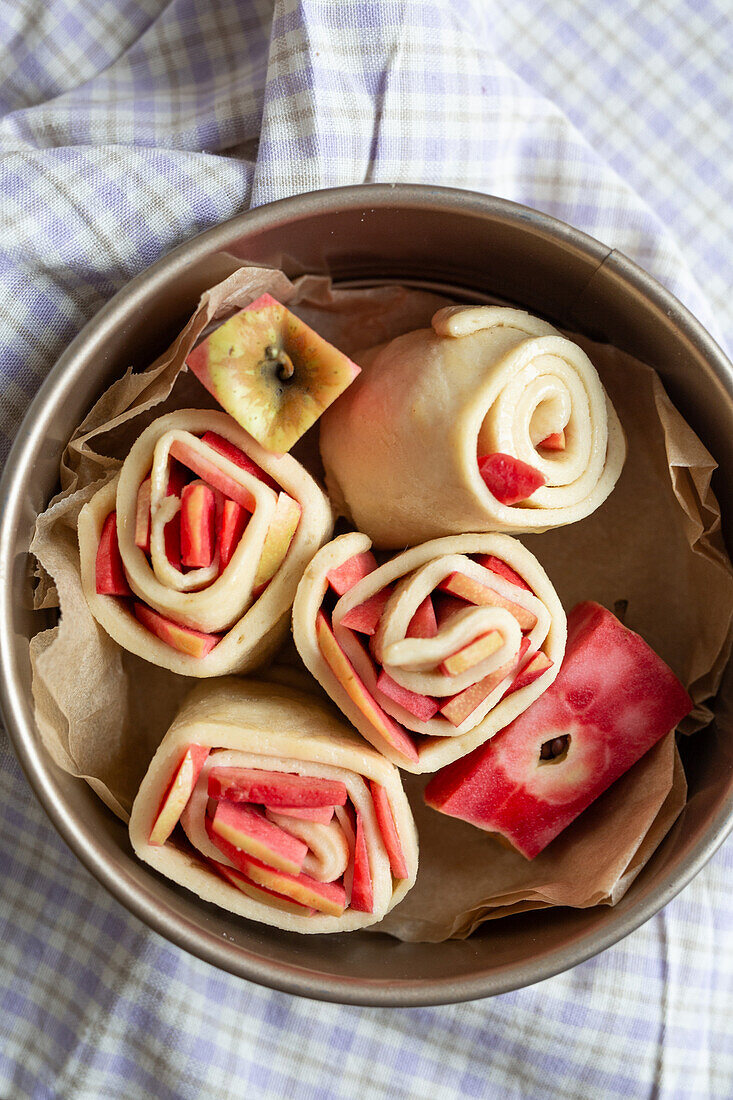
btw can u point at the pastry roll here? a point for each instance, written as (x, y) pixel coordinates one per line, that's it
(489, 421)
(191, 555)
(433, 652)
(289, 818)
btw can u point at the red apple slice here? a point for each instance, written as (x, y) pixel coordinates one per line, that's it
(355, 688)
(365, 617)
(388, 829)
(177, 477)
(496, 565)
(459, 707)
(472, 654)
(239, 458)
(362, 892)
(509, 479)
(172, 540)
(232, 523)
(354, 569)
(423, 707)
(178, 793)
(250, 831)
(423, 623)
(110, 572)
(142, 517)
(531, 672)
(192, 642)
(279, 535)
(198, 525)
(553, 442)
(271, 372)
(612, 700)
(326, 897)
(458, 584)
(321, 814)
(275, 789)
(209, 472)
(260, 893)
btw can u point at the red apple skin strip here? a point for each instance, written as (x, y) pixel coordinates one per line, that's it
(178, 792)
(423, 707)
(423, 623)
(480, 594)
(198, 525)
(553, 442)
(388, 829)
(193, 642)
(354, 686)
(232, 523)
(142, 517)
(354, 569)
(460, 706)
(496, 565)
(248, 829)
(364, 618)
(326, 897)
(275, 789)
(614, 698)
(259, 893)
(239, 458)
(509, 479)
(362, 890)
(321, 814)
(110, 572)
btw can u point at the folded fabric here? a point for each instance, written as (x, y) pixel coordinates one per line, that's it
(433, 652)
(489, 421)
(191, 555)
(289, 818)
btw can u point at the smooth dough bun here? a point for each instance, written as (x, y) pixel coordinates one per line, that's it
(400, 447)
(275, 729)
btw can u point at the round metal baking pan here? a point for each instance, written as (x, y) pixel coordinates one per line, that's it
(479, 247)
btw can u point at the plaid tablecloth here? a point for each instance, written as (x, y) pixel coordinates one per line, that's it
(126, 127)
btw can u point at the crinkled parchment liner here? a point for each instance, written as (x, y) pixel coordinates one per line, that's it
(655, 545)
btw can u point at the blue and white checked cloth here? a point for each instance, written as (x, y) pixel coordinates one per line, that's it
(126, 126)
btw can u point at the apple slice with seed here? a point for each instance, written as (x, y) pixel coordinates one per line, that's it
(388, 829)
(275, 789)
(249, 830)
(345, 576)
(173, 802)
(466, 588)
(509, 479)
(186, 640)
(109, 571)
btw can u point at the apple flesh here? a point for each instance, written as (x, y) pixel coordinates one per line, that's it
(531, 672)
(388, 829)
(362, 891)
(459, 707)
(423, 707)
(472, 654)
(612, 700)
(142, 517)
(423, 623)
(198, 525)
(496, 565)
(232, 522)
(178, 793)
(326, 897)
(553, 442)
(238, 457)
(194, 643)
(466, 588)
(109, 571)
(260, 893)
(250, 831)
(207, 469)
(321, 814)
(279, 535)
(354, 569)
(271, 372)
(365, 617)
(356, 689)
(275, 789)
(509, 479)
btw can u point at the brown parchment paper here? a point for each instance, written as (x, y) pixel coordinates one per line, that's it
(653, 548)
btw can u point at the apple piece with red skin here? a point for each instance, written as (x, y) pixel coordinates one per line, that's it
(177, 794)
(194, 643)
(423, 623)
(260, 893)
(388, 829)
(356, 689)
(612, 700)
(508, 479)
(207, 469)
(142, 517)
(275, 789)
(362, 891)
(459, 707)
(232, 522)
(238, 457)
(553, 442)
(326, 897)
(198, 525)
(271, 372)
(250, 831)
(472, 654)
(110, 577)
(466, 588)
(496, 565)
(364, 618)
(531, 672)
(345, 576)
(283, 526)
(423, 707)
(321, 814)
